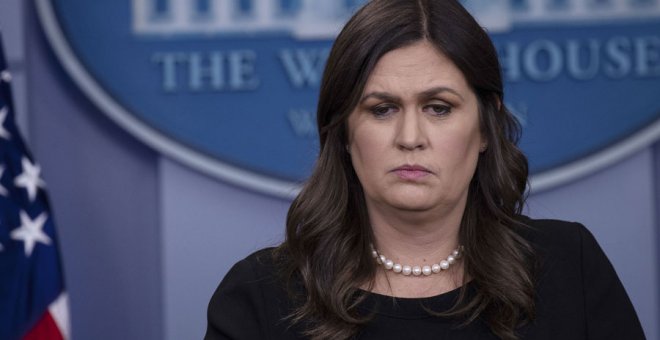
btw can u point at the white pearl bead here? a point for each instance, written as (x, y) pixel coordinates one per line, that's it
(436, 268)
(417, 270)
(426, 270)
(444, 264)
(389, 264)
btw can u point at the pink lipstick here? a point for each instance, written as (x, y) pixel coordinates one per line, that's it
(411, 172)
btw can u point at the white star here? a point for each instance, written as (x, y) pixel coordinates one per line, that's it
(3, 190)
(30, 231)
(29, 178)
(3, 116)
(5, 76)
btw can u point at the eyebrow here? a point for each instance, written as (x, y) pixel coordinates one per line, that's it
(424, 94)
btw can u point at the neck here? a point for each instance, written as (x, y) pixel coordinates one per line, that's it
(415, 237)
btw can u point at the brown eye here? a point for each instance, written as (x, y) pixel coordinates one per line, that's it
(382, 111)
(438, 109)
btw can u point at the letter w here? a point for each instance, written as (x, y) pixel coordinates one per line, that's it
(304, 67)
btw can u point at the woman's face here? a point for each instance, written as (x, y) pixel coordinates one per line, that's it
(414, 137)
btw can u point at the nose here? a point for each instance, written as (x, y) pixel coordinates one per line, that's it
(411, 133)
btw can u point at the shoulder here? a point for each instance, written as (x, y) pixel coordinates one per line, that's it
(563, 247)
(577, 286)
(249, 280)
(245, 303)
(253, 268)
(550, 229)
(558, 247)
(553, 236)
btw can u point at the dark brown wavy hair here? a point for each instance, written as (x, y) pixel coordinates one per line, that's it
(326, 252)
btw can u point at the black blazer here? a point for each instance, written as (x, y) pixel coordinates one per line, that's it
(579, 296)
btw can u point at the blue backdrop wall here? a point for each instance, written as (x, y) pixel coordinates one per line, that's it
(145, 239)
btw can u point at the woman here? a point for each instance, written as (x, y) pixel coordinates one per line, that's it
(410, 225)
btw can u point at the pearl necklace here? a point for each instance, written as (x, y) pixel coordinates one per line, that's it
(417, 270)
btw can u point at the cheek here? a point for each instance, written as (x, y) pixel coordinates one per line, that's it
(367, 149)
(460, 148)
(467, 144)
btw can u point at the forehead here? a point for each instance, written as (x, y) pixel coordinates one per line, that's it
(415, 68)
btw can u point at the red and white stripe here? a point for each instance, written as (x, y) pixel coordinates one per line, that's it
(54, 325)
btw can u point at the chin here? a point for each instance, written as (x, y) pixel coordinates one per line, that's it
(415, 202)
(414, 207)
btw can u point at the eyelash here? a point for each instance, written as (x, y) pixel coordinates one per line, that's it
(377, 111)
(446, 109)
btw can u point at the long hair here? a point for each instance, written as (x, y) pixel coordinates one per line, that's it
(328, 234)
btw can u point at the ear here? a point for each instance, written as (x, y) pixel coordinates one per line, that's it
(484, 143)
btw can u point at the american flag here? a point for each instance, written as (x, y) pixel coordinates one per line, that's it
(33, 300)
